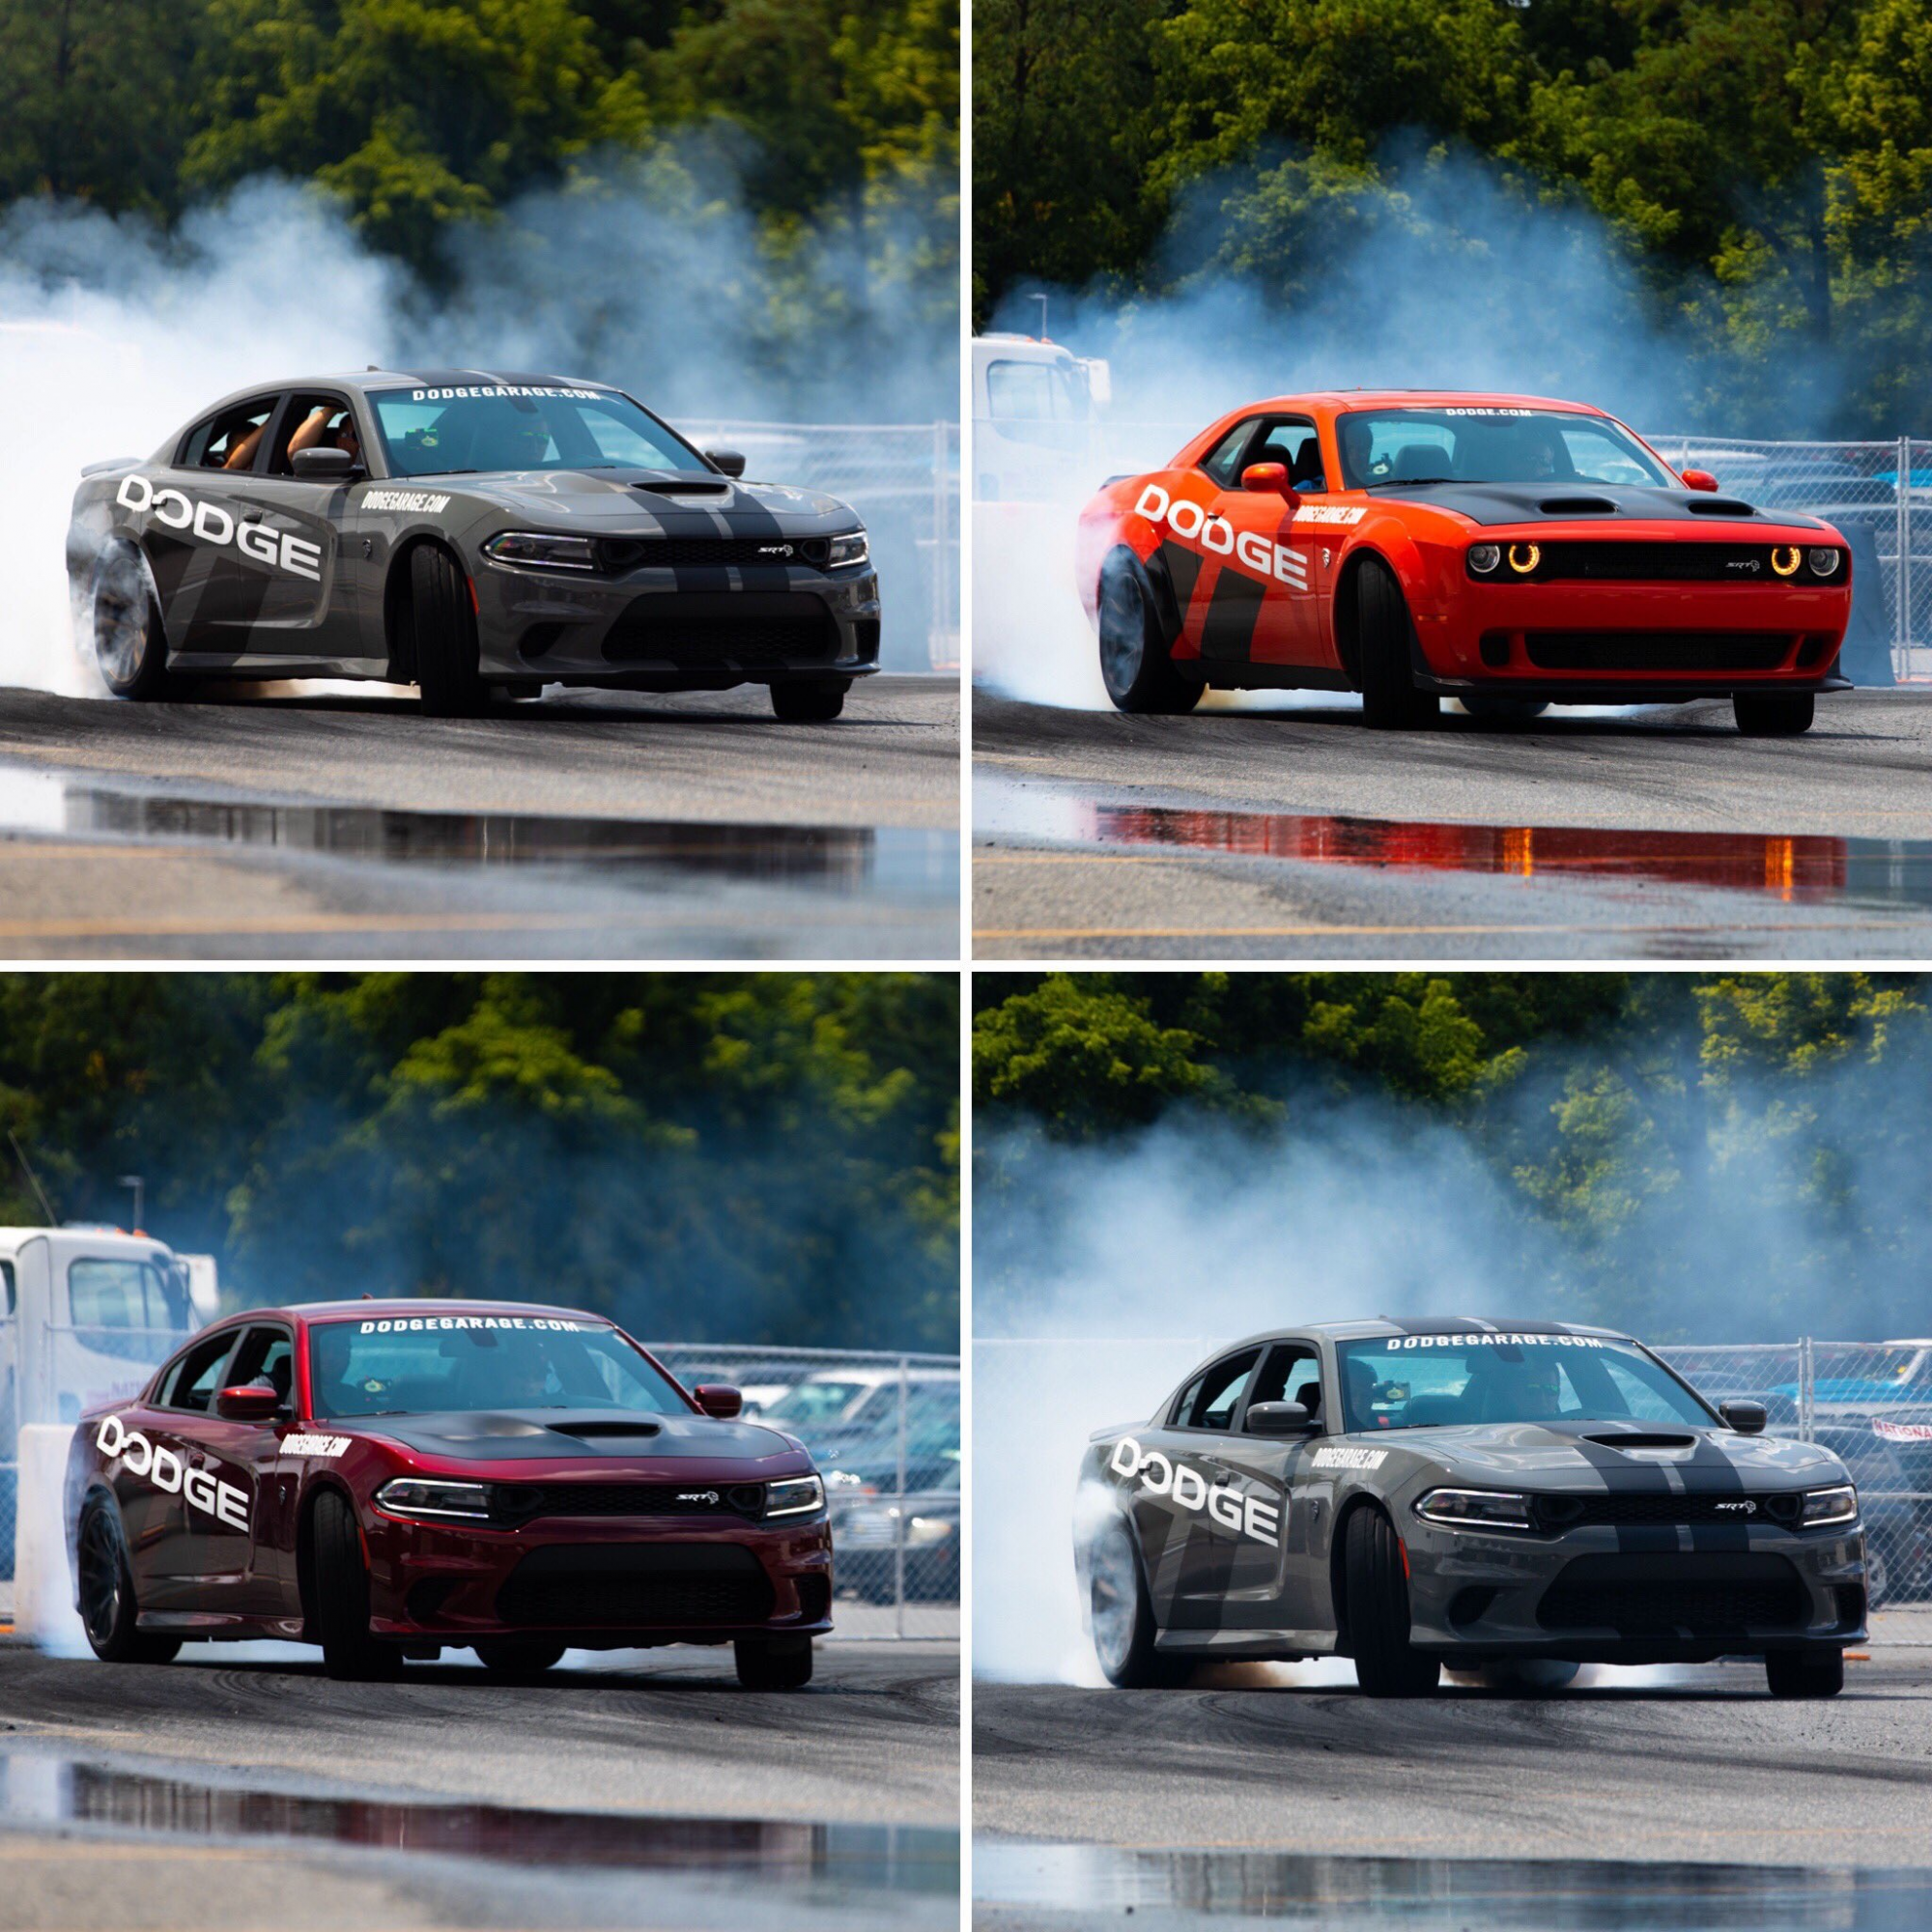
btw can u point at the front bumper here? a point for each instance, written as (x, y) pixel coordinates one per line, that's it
(675, 629)
(1601, 1595)
(597, 1583)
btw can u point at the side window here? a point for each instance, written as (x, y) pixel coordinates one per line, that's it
(1294, 444)
(1220, 1392)
(1290, 1370)
(314, 422)
(266, 1354)
(1225, 463)
(192, 1383)
(1183, 1405)
(230, 439)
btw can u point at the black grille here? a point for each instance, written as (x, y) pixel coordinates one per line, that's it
(1704, 1596)
(740, 629)
(1658, 651)
(523, 1502)
(711, 552)
(637, 1587)
(1614, 563)
(1557, 1512)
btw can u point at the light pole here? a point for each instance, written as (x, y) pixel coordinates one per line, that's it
(139, 1186)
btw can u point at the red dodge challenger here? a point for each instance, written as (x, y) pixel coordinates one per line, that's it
(1414, 545)
(387, 1478)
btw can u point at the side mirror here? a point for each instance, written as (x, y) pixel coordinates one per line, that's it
(245, 1403)
(324, 465)
(1748, 1418)
(1278, 1418)
(1264, 477)
(733, 464)
(719, 1399)
(1699, 479)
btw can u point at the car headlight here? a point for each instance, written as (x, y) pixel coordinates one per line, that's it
(1483, 557)
(924, 1532)
(1474, 1509)
(1823, 562)
(848, 550)
(1524, 557)
(532, 547)
(1828, 1506)
(796, 1495)
(418, 1495)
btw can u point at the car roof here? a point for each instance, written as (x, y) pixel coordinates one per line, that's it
(1416, 399)
(408, 1306)
(372, 380)
(1384, 1327)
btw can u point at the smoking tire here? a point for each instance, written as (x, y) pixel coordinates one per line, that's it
(1377, 1583)
(1805, 1673)
(1120, 1616)
(1774, 714)
(1385, 643)
(519, 1663)
(342, 1597)
(129, 640)
(443, 630)
(1135, 664)
(773, 1662)
(108, 1611)
(813, 700)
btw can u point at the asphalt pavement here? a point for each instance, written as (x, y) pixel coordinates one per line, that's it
(236, 1787)
(1296, 832)
(593, 824)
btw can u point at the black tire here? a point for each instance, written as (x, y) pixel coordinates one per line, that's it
(519, 1663)
(813, 701)
(108, 1611)
(774, 1663)
(1774, 714)
(1384, 639)
(131, 647)
(1135, 664)
(442, 627)
(1385, 1665)
(1120, 1616)
(341, 1584)
(1492, 707)
(1805, 1673)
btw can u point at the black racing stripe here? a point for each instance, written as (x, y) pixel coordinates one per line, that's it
(1183, 572)
(1711, 1472)
(746, 517)
(1620, 1475)
(1228, 632)
(1434, 1324)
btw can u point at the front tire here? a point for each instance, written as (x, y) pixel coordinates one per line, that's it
(108, 1611)
(443, 623)
(814, 701)
(1136, 662)
(774, 1663)
(1384, 644)
(1805, 1673)
(130, 643)
(1774, 714)
(349, 1652)
(519, 1663)
(1377, 1580)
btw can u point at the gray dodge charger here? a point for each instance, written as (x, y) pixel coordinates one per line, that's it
(469, 532)
(1510, 1499)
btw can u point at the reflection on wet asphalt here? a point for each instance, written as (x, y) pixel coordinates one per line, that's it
(1017, 1884)
(1802, 869)
(48, 1789)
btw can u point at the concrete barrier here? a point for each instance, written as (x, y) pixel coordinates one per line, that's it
(44, 1609)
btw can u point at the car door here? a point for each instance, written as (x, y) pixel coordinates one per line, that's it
(240, 1500)
(1294, 1593)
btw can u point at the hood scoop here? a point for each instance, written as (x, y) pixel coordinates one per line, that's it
(1638, 1441)
(1577, 506)
(677, 489)
(629, 1429)
(1719, 506)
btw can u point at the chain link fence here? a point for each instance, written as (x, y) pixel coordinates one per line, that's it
(903, 480)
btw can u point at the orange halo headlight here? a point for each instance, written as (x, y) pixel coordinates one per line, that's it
(1524, 557)
(1785, 560)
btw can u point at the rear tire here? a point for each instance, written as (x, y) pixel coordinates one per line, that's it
(816, 701)
(1136, 665)
(108, 1611)
(130, 643)
(442, 622)
(1805, 1673)
(1120, 1616)
(342, 1599)
(774, 1663)
(519, 1663)
(1384, 641)
(1385, 1663)
(1766, 714)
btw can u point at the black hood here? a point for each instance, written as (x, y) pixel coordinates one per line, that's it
(1585, 502)
(533, 1434)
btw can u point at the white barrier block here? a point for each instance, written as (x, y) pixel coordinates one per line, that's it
(44, 1612)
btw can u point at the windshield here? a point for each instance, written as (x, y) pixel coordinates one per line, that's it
(441, 431)
(1478, 444)
(438, 1362)
(1421, 1381)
